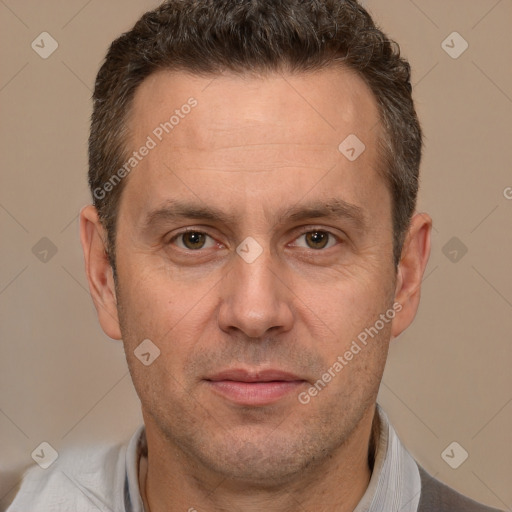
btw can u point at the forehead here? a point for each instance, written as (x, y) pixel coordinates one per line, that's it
(257, 134)
(315, 107)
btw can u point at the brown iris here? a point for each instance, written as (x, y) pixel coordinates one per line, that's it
(193, 240)
(317, 239)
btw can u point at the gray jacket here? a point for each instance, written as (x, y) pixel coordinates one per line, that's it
(438, 497)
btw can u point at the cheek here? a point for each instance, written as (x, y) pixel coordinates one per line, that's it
(174, 315)
(157, 302)
(359, 318)
(345, 302)
(148, 312)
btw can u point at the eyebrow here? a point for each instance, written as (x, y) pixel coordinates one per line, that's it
(332, 208)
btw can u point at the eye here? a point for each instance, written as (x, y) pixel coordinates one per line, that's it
(193, 240)
(316, 240)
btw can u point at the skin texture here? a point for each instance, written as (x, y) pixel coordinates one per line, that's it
(255, 148)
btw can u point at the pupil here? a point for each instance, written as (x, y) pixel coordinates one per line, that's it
(317, 239)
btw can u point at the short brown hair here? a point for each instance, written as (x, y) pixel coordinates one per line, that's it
(206, 37)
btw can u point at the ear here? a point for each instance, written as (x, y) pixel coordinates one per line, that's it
(99, 271)
(413, 261)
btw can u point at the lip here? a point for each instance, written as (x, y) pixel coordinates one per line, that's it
(242, 375)
(254, 387)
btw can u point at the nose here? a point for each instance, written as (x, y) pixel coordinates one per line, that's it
(254, 300)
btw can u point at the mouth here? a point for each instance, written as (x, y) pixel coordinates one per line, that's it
(254, 387)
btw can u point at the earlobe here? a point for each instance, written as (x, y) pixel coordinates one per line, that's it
(99, 271)
(414, 259)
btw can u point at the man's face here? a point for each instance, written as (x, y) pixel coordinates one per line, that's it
(251, 249)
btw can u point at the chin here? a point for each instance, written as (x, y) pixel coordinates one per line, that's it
(266, 457)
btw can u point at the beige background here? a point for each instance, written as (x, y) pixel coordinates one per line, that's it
(448, 377)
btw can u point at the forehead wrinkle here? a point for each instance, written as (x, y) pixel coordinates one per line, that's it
(204, 147)
(237, 169)
(248, 159)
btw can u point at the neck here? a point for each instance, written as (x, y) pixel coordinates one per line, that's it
(173, 483)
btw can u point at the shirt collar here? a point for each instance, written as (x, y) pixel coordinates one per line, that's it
(395, 484)
(137, 447)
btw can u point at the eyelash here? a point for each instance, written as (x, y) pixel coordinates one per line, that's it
(303, 232)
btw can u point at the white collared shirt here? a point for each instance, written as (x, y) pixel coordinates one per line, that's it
(395, 484)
